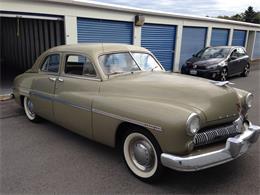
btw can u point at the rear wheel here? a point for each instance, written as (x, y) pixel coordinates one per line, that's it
(28, 109)
(246, 71)
(223, 76)
(142, 155)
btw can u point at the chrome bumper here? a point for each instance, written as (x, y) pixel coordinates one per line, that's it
(235, 147)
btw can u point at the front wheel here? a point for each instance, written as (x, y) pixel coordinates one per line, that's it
(28, 109)
(246, 71)
(142, 155)
(223, 74)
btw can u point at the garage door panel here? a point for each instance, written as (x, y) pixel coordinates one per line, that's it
(193, 40)
(160, 39)
(94, 30)
(239, 38)
(219, 37)
(256, 52)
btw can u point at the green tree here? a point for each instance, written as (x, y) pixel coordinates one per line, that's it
(249, 15)
(237, 17)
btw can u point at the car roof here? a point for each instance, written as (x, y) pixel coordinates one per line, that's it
(97, 48)
(227, 46)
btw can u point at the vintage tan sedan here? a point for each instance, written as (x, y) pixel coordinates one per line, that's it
(120, 95)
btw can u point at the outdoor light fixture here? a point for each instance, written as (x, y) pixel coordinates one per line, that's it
(139, 20)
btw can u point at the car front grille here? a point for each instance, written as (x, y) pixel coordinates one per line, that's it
(216, 134)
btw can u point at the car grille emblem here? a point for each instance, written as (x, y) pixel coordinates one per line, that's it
(195, 66)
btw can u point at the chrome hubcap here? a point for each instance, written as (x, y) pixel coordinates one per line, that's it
(30, 106)
(29, 109)
(142, 154)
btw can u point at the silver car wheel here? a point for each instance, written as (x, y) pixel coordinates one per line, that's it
(28, 108)
(140, 155)
(223, 74)
(247, 69)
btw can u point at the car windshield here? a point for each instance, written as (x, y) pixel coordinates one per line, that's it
(146, 62)
(213, 52)
(117, 63)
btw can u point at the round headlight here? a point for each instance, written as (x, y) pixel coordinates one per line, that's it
(249, 100)
(193, 124)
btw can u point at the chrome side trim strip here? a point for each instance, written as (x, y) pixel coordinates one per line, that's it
(147, 125)
(43, 96)
(143, 124)
(71, 104)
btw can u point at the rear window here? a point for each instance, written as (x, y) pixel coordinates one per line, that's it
(51, 63)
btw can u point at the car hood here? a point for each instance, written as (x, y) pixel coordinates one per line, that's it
(201, 62)
(195, 93)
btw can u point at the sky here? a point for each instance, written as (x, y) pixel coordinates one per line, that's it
(191, 7)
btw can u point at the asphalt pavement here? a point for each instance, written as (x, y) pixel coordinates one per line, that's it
(44, 158)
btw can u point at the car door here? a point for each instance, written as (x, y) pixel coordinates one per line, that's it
(243, 59)
(42, 89)
(234, 62)
(76, 87)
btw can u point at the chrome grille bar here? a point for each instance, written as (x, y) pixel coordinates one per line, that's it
(215, 134)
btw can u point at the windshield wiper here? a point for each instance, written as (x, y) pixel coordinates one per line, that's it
(154, 68)
(114, 73)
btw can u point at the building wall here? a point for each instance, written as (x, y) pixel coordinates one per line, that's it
(71, 11)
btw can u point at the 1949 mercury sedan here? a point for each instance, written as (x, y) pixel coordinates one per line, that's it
(120, 95)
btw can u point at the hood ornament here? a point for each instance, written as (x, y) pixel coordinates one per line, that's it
(221, 83)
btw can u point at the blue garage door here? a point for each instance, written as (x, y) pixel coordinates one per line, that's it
(193, 40)
(106, 31)
(256, 53)
(219, 37)
(160, 39)
(239, 38)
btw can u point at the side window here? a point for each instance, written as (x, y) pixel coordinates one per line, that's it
(51, 63)
(79, 65)
(241, 52)
(235, 54)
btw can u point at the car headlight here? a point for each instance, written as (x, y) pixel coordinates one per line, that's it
(249, 100)
(223, 63)
(193, 124)
(212, 66)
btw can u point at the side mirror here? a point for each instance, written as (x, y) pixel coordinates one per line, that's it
(232, 58)
(193, 55)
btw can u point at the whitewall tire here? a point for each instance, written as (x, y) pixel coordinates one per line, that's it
(142, 156)
(28, 109)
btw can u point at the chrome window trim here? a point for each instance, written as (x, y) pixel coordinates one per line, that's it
(80, 77)
(143, 124)
(67, 53)
(151, 54)
(40, 71)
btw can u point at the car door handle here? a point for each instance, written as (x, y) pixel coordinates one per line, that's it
(52, 78)
(60, 80)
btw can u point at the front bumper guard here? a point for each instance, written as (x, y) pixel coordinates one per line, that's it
(235, 147)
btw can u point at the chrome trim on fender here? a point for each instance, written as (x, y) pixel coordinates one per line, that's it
(23, 91)
(143, 124)
(235, 147)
